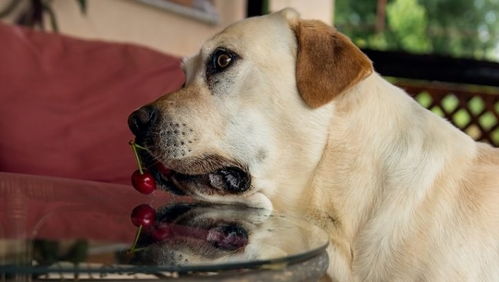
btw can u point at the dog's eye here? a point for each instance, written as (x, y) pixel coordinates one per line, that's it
(223, 60)
(220, 60)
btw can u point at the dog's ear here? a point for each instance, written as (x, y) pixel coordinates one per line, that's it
(327, 62)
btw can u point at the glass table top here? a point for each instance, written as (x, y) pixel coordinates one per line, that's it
(53, 228)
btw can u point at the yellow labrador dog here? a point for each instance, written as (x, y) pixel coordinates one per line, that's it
(286, 113)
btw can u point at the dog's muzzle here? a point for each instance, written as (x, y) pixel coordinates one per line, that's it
(187, 174)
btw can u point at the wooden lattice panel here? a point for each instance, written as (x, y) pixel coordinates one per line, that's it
(474, 112)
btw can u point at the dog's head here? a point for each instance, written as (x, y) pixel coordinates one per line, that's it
(252, 117)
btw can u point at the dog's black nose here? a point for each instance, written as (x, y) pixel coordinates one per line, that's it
(142, 119)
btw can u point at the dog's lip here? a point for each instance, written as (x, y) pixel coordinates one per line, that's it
(201, 164)
(210, 175)
(226, 180)
(163, 178)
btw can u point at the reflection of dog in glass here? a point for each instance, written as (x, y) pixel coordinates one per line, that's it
(207, 234)
(284, 112)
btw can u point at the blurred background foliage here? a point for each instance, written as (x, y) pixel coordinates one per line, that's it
(34, 13)
(458, 28)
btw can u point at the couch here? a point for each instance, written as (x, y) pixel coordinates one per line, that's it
(65, 102)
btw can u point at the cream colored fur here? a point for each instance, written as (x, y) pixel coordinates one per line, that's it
(404, 195)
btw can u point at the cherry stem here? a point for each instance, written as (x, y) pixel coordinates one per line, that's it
(137, 250)
(134, 149)
(137, 234)
(138, 146)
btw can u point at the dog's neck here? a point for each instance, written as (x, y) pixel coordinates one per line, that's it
(378, 158)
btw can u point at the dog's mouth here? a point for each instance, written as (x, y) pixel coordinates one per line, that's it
(207, 175)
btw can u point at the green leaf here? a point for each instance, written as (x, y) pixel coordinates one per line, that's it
(9, 8)
(83, 6)
(78, 252)
(45, 252)
(52, 18)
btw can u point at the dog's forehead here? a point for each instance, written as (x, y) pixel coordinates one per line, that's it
(250, 33)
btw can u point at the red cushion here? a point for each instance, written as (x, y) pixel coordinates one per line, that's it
(65, 102)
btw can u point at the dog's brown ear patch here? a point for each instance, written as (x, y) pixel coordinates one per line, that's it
(327, 63)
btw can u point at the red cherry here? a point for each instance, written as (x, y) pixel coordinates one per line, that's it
(163, 169)
(143, 182)
(161, 232)
(143, 215)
